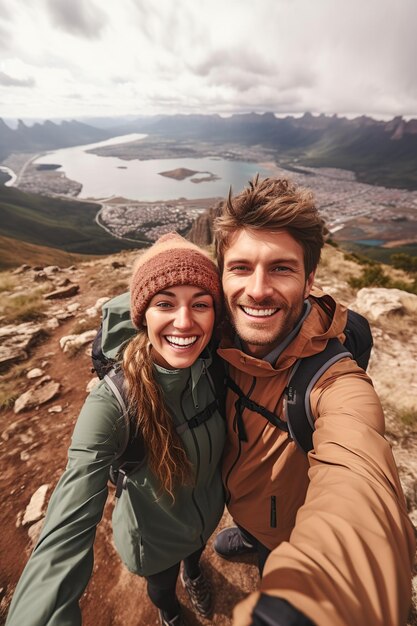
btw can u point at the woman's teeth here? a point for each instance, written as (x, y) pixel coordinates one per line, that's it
(181, 341)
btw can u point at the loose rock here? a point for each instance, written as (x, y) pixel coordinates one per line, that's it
(52, 323)
(35, 509)
(35, 373)
(21, 269)
(51, 269)
(74, 306)
(40, 277)
(16, 341)
(376, 302)
(94, 310)
(65, 292)
(74, 342)
(36, 397)
(35, 530)
(93, 383)
(57, 408)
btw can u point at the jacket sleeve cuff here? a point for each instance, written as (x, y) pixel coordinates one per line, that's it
(272, 611)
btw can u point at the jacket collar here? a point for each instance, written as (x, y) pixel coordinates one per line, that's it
(324, 320)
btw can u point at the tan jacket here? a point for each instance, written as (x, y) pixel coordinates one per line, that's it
(337, 519)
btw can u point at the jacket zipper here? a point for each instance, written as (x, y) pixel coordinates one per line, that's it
(210, 442)
(273, 519)
(205, 373)
(197, 448)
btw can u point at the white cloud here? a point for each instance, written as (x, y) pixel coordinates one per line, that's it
(10, 81)
(145, 57)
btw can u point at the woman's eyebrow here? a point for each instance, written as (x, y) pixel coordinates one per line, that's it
(200, 293)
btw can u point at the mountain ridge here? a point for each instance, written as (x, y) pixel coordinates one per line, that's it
(379, 152)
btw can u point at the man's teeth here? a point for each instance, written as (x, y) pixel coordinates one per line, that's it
(259, 312)
(181, 341)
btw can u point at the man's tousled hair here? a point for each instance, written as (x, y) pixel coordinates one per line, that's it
(272, 204)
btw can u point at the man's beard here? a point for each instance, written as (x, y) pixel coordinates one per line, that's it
(267, 336)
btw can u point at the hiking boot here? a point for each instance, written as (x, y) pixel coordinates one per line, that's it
(199, 592)
(229, 543)
(177, 620)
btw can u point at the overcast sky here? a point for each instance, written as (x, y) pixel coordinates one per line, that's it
(72, 58)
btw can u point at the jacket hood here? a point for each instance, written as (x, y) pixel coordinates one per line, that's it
(117, 327)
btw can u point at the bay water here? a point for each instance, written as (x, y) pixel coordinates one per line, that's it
(103, 177)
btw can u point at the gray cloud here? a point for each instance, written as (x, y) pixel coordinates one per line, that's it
(77, 17)
(5, 39)
(243, 70)
(4, 11)
(232, 59)
(9, 81)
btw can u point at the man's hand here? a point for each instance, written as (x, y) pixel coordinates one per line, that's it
(242, 613)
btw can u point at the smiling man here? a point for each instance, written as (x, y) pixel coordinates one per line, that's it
(334, 543)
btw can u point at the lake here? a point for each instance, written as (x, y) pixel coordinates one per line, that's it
(104, 177)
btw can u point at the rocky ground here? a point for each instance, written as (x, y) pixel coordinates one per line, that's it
(46, 370)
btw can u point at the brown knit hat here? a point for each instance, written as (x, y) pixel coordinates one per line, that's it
(171, 261)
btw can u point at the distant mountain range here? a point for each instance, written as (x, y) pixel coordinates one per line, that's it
(383, 153)
(47, 136)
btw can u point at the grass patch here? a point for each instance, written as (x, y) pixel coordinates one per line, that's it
(374, 276)
(11, 385)
(7, 282)
(73, 349)
(358, 258)
(90, 323)
(24, 307)
(108, 288)
(408, 417)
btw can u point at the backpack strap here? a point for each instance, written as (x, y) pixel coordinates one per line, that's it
(115, 380)
(243, 402)
(304, 376)
(200, 418)
(132, 452)
(299, 419)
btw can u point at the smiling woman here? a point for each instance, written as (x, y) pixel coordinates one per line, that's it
(179, 324)
(173, 498)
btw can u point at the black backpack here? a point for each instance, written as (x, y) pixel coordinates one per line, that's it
(299, 422)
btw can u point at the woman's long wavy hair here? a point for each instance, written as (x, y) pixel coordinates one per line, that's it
(165, 454)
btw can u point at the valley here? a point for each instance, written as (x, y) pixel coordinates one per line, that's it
(355, 212)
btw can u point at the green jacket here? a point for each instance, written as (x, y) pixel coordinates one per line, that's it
(150, 533)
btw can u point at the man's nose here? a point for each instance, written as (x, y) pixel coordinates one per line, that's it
(183, 318)
(259, 285)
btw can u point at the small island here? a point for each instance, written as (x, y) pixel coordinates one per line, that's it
(179, 174)
(47, 167)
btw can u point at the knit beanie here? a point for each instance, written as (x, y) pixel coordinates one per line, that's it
(172, 261)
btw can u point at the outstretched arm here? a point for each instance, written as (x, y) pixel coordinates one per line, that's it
(349, 557)
(61, 563)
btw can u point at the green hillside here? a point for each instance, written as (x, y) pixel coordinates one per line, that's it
(14, 253)
(65, 224)
(375, 158)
